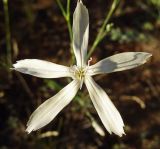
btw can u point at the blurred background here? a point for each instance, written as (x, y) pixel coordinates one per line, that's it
(37, 29)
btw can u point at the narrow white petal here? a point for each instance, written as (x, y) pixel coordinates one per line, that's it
(42, 69)
(47, 111)
(80, 33)
(107, 112)
(119, 62)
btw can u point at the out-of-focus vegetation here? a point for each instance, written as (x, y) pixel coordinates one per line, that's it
(37, 29)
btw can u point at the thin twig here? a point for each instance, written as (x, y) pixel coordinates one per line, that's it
(24, 85)
(136, 99)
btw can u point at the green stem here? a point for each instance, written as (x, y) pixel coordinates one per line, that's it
(66, 14)
(61, 7)
(8, 35)
(68, 20)
(101, 34)
(68, 7)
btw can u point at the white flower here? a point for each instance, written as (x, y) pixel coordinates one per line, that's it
(81, 73)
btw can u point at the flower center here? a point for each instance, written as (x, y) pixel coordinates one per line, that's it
(78, 73)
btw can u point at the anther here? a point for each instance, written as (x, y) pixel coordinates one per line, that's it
(89, 61)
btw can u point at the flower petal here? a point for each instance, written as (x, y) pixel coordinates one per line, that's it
(119, 62)
(42, 69)
(47, 111)
(80, 33)
(107, 112)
